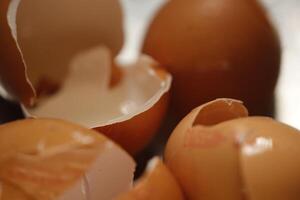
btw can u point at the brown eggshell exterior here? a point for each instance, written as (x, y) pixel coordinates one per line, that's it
(12, 71)
(216, 48)
(202, 168)
(157, 183)
(134, 134)
(23, 137)
(272, 174)
(214, 161)
(56, 132)
(9, 192)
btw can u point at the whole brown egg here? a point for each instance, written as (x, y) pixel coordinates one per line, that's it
(217, 48)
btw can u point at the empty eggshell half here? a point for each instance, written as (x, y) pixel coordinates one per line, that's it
(157, 183)
(43, 36)
(269, 158)
(54, 159)
(66, 57)
(204, 162)
(130, 113)
(217, 152)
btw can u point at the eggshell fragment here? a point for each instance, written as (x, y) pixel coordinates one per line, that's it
(68, 50)
(234, 157)
(214, 49)
(157, 183)
(204, 160)
(53, 159)
(12, 72)
(269, 158)
(48, 34)
(9, 192)
(130, 113)
(134, 134)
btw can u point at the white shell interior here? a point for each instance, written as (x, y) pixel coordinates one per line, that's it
(70, 45)
(50, 33)
(105, 179)
(87, 99)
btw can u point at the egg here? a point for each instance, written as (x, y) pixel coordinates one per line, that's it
(218, 152)
(157, 183)
(58, 59)
(55, 159)
(216, 49)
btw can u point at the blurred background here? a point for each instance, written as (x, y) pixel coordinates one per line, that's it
(285, 15)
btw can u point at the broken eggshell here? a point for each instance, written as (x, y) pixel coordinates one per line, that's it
(130, 113)
(39, 38)
(157, 183)
(54, 159)
(217, 143)
(68, 51)
(202, 171)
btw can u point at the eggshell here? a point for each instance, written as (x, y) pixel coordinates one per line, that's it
(12, 71)
(9, 192)
(130, 113)
(216, 48)
(204, 161)
(50, 33)
(234, 158)
(157, 183)
(134, 134)
(53, 159)
(68, 52)
(269, 158)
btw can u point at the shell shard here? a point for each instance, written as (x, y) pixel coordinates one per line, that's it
(255, 156)
(60, 64)
(53, 159)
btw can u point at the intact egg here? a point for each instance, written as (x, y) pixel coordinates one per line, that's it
(54, 159)
(216, 49)
(217, 152)
(57, 59)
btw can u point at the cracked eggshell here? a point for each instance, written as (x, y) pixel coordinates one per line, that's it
(269, 157)
(43, 36)
(12, 71)
(157, 183)
(216, 48)
(255, 156)
(53, 159)
(68, 51)
(134, 134)
(203, 160)
(130, 113)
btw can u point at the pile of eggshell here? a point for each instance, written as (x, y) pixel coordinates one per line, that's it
(57, 58)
